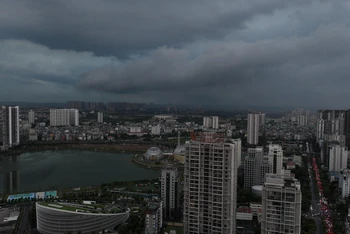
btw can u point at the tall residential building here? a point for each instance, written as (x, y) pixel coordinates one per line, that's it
(338, 158)
(330, 122)
(255, 167)
(215, 122)
(275, 157)
(154, 218)
(302, 120)
(99, 117)
(211, 122)
(281, 205)
(31, 117)
(344, 182)
(64, 117)
(9, 127)
(210, 186)
(347, 128)
(254, 122)
(238, 150)
(169, 191)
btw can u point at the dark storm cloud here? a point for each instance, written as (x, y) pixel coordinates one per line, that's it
(270, 52)
(118, 27)
(285, 68)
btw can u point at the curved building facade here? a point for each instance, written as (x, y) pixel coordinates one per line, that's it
(58, 218)
(153, 154)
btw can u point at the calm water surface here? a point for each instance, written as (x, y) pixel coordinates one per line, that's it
(43, 170)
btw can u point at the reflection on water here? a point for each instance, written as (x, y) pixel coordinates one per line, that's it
(11, 179)
(56, 169)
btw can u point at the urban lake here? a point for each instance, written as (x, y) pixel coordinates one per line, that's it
(59, 169)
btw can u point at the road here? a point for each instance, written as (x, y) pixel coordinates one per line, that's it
(315, 207)
(24, 220)
(315, 198)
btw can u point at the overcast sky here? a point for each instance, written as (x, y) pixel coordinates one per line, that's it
(234, 52)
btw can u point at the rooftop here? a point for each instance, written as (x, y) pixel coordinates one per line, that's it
(83, 208)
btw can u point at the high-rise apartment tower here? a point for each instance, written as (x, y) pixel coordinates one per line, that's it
(281, 205)
(31, 117)
(9, 127)
(254, 122)
(169, 191)
(210, 186)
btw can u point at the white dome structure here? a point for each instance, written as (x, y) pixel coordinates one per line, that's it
(179, 154)
(153, 154)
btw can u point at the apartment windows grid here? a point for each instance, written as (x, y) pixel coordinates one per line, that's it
(281, 205)
(169, 190)
(210, 188)
(64, 117)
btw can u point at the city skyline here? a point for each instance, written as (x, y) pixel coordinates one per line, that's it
(222, 52)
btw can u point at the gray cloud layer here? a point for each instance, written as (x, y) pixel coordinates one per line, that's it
(269, 52)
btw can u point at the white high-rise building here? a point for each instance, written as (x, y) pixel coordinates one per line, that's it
(254, 122)
(238, 152)
(210, 186)
(154, 218)
(31, 117)
(215, 122)
(281, 205)
(64, 117)
(100, 117)
(211, 122)
(155, 130)
(338, 158)
(275, 158)
(207, 122)
(302, 120)
(9, 127)
(169, 190)
(344, 182)
(255, 167)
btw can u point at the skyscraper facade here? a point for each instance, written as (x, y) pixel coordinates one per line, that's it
(154, 218)
(302, 120)
(254, 122)
(210, 186)
(255, 167)
(344, 182)
(330, 122)
(100, 117)
(281, 205)
(238, 150)
(275, 157)
(9, 127)
(31, 117)
(64, 117)
(338, 158)
(169, 191)
(211, 122)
